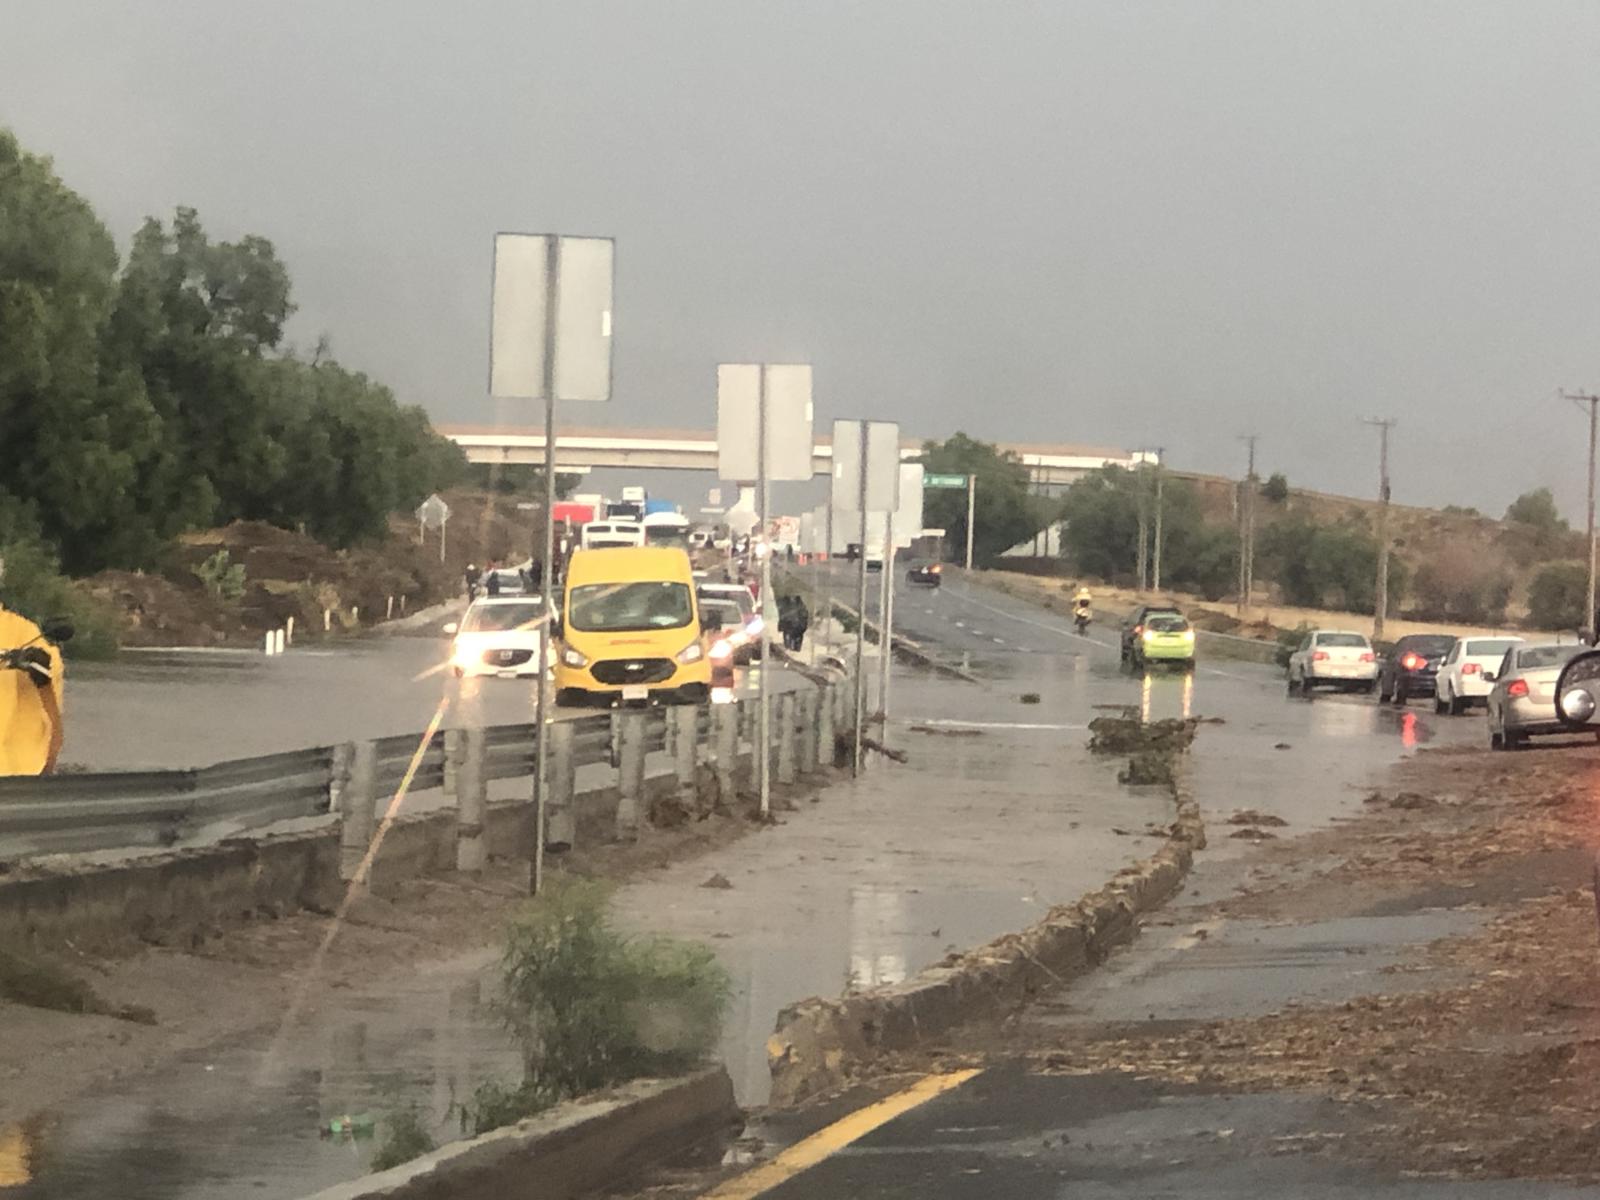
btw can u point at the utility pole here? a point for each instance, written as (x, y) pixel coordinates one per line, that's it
(1155, 569)
(1247, 524)
(1588, 609)
(1381, 601)
(1144, 523)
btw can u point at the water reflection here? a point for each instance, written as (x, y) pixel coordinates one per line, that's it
(19, 1152)
(879, 925)
(1166, 696)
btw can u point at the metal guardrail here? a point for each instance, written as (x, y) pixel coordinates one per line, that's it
(97, 811)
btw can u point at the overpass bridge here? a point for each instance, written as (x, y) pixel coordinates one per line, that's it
(1050, 465)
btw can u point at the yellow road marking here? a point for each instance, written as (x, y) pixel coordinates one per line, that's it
(831, 1139)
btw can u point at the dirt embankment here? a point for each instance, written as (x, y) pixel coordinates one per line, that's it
(289, 574)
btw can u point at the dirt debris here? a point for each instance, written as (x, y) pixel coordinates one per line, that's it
(1250, 816)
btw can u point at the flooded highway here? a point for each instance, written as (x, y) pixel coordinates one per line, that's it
(999, 813)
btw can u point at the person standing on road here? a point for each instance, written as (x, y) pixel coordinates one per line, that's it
(802, 622)
(31, 678)
(491, 579)
(472, 581)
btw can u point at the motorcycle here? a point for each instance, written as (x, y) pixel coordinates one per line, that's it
(1080, 619)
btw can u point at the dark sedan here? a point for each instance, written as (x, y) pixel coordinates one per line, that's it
(1411, 668)
(926, 574)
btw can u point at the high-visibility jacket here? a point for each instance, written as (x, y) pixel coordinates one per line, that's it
(27, 724)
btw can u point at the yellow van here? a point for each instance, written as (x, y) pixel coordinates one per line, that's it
(630, 629)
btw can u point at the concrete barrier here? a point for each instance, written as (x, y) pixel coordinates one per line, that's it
(573, 1150)
(819, 1042)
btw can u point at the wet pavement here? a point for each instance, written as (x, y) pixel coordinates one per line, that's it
(999, 814)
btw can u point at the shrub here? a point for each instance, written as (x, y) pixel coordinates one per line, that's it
(1461, 583)
(592, 1006)
(31, 585)
(1557, 596)
(222, 578)
(405, 1137)
(1276, 488)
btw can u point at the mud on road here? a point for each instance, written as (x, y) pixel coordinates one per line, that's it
(1476, 1054)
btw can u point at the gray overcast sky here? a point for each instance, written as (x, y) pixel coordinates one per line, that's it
(1118, 223)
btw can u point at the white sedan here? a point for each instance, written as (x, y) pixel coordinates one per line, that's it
(1464, 676)
(1333, 658)
(499, 636)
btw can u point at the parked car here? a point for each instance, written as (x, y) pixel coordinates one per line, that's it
(1166, 637)
(1133, 625)
(926, 574)
(1333, 658)
(1412, 666)
(1463, 678)
(1522, 700)
(498, 636)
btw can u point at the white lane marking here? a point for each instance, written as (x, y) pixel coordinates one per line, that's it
(943, 723)
(999, 641)
(961, 624)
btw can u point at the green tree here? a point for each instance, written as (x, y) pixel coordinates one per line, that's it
(1276, 488)
(1457, 582)
(1328, 566)
(1005, 513)
(1538, 531)
(1557, 596)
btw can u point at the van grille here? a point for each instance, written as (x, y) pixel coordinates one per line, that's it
(617, 671)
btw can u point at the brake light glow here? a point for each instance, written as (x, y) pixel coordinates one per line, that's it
(1409, 661)
(1319, 656)
(1517, 688)
(1368, 656)
(1138, 629)
(1470, 668)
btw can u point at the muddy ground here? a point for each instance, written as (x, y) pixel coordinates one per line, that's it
(1492, 1066)
(243, 978)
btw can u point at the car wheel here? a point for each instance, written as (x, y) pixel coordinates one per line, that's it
(1497, 740)
(1514, 741)
(1383, 692)
(1458, 705)
(1400, 694)
(1439, 705)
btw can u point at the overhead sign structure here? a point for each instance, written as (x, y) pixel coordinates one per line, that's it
(784, 389)
(953, 482)
(551, 290)
(882, 465)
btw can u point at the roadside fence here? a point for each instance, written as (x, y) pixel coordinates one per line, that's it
(350, 782)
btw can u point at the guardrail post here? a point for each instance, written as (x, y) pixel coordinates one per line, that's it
(683, 721)
(824, 725)
(472, 796)
(452, 764)
(560, 816)
(725, 748)
(630, 773)
(358, 809)
(786, 734)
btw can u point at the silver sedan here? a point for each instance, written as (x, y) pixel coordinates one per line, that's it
(1522, 701)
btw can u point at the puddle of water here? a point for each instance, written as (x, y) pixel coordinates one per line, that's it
(251, 1122)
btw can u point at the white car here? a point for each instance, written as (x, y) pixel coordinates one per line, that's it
(499, 636)
(1464, 676)
(1333, 658)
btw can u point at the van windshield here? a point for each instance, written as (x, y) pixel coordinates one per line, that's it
(618, 607)
(666, 535)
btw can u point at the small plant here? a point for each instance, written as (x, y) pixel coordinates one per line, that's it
(1288, 642)
(592, 1006)
(405, 1136)
(223, 579)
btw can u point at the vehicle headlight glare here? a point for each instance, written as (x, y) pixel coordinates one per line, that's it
(573, 658)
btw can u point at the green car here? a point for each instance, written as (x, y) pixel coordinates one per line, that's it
(1166, 637)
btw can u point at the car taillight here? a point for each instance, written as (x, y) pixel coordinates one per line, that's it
(1517, 688)
(1410, 661)
(935, 569)
(1369, 656)
(1319, 656)
(1469, 668)
(1138, 629)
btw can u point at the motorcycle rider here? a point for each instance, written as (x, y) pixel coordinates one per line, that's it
(31, 675)
(1082, 605)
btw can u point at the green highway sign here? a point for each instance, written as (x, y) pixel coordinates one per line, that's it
(944, 481)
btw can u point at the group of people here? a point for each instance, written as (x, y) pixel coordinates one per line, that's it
(488, 581)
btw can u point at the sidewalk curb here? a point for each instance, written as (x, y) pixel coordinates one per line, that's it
(574, 1149)
(818, 1042)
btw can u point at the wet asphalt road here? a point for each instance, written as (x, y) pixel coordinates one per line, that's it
(1023, 1135)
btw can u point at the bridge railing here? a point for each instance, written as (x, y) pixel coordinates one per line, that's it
(130, 810)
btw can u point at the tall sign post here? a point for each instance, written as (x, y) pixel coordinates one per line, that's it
(764, 433)
(433, 513)
(866, 479)
(550, 340)
(938, 480)
(900, 528)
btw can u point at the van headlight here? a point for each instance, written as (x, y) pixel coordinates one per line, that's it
(692, 653)
(573, 658)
